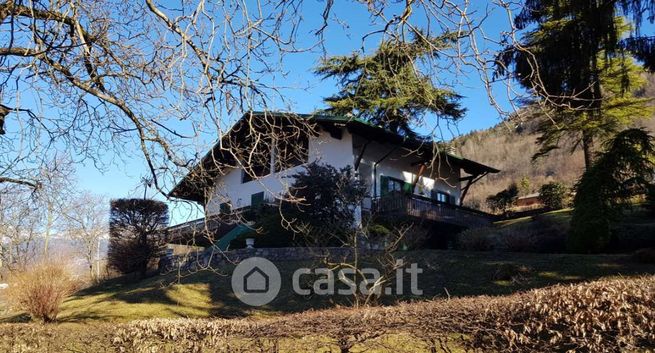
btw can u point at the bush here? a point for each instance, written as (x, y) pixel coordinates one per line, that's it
(325, 197)
(644, 256)
(650, 199)
(518, 239)
(503, 200)
(601, 316)
(481, 239)
(40, 290)
(553, 195)
(628, 237)
(541, 235)
(512, 272)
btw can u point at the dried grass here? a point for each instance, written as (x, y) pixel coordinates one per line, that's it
(601, 316)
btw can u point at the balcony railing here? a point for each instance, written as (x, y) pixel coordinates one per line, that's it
(423, 207)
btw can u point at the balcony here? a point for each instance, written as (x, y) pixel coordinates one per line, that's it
(426, 208)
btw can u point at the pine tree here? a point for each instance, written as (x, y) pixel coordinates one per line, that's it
(563, 60)
(623, 170)
(387, 89)
(620, 106)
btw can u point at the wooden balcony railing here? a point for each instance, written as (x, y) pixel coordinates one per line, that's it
(423, 207)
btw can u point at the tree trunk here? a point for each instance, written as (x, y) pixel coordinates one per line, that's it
(588, 148)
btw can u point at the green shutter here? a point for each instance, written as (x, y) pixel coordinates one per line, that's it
(384, 185)
(408, 188)
(434, 194)
(257, 199)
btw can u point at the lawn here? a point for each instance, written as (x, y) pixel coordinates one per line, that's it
(445, 273)
(561, 216)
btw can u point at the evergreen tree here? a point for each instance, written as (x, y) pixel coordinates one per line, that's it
(619, 107)
(563, 60)
(622, 171)
(137, 234)
(387, 89)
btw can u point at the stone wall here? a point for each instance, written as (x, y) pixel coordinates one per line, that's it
(215, 258)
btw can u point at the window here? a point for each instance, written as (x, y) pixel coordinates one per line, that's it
(440, 196)
(390, 185)
(257, 199)
(258, 170)
(224, 208)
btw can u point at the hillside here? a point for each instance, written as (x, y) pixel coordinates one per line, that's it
(509, 146)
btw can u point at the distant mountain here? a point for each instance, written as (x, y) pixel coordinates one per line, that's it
(509, 146)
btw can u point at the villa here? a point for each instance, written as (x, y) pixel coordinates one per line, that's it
(253, 162)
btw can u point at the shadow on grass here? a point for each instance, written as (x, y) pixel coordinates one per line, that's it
(445, 274)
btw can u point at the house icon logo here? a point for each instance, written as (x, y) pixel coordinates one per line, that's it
(256, 281)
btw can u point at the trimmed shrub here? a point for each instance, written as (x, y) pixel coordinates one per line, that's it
(601, 316)
(40, 290)
(137, 234)
(553, 195)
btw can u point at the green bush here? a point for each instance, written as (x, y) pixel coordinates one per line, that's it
(268, 232)
(553, 195)
(504, 200)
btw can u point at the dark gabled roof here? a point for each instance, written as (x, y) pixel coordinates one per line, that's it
(192, 185)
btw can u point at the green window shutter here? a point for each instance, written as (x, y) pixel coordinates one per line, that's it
(434, 194)
(257, 199)
(408, 188)
(384, 185)
(224, 207)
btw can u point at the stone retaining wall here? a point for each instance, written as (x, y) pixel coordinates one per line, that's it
(215, 258)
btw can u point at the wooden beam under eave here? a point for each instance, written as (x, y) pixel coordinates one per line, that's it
(471, 179)
(421, 170)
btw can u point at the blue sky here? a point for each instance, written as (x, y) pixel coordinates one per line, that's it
(122, 178)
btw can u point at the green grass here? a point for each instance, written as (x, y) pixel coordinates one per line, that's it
(446, 273)
(563, 215)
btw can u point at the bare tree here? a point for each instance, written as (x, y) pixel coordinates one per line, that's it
(113, 74)
(87, 224)
(162, 78)
(20, 222)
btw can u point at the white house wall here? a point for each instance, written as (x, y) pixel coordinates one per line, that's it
(323, 148)
(398, 165)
